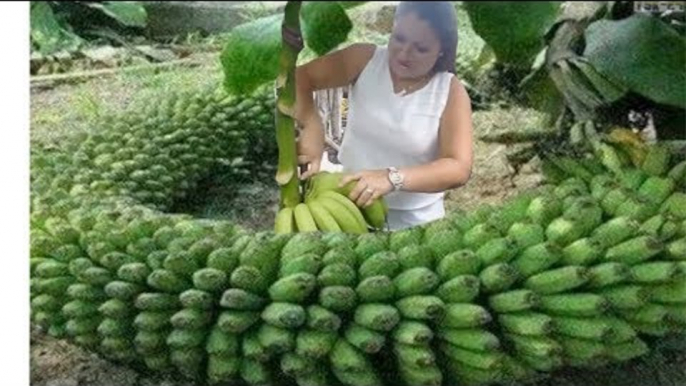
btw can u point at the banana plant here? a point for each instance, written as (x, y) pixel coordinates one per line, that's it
(267, 50)
(585, 64)
(67, 25)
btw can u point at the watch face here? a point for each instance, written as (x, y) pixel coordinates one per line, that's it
(396, 178)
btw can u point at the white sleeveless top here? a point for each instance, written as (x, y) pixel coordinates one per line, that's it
(386, 129)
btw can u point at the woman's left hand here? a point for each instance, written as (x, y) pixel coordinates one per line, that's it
(371, 184)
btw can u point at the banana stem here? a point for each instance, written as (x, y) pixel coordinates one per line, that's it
(287, 174)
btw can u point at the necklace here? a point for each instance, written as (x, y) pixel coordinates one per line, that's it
(409, 88)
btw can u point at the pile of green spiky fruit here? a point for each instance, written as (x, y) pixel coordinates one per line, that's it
(328, 208)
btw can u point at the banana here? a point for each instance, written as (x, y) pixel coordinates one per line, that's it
(346, 220)
(325, 221)
(610, 158)
(592, 137)
(629, 142)
(623, 155)
(375, 214)
(622, 135)
(636, 155)
(303, 218)
(348, 204)
(322, 182)
(576, 134)
(284, 221)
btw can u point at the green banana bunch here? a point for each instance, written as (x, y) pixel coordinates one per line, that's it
(328, 208)
(617, 150)
(629, 142)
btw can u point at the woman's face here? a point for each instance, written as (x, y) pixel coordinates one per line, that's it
(413, 48)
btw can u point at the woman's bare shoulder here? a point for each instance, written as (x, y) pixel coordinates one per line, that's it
(458, 105)
(362, 49)
(457, 88)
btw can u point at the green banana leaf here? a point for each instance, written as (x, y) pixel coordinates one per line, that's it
(641, 53)
(250, 56)
(540, 93)
(515, 30)
(473, 54)
(325, 25)
(47, 34)
(128, 13)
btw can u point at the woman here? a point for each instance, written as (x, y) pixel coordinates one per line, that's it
(409, 132)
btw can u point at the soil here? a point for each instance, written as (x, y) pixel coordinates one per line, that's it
(55, 362)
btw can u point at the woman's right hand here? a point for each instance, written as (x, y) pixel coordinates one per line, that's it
(337, 69)
(310, 147)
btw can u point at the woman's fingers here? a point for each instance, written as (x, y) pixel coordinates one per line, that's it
(304, 159)
(371, 199)
(308, 166)
(365, 197)
(361, 193)
(347, 178)
(313, 168)
(357, 190)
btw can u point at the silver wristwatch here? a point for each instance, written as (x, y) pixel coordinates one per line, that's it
(396, 178)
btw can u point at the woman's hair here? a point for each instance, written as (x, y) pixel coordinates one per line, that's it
(442, 17)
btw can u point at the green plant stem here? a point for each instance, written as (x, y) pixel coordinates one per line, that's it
(287, 176)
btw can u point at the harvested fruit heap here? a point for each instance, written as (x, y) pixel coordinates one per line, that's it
(573, 273)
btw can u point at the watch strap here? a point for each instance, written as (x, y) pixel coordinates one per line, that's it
(396, 178)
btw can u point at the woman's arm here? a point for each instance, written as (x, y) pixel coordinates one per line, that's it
(337, 69)
(453, 168)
